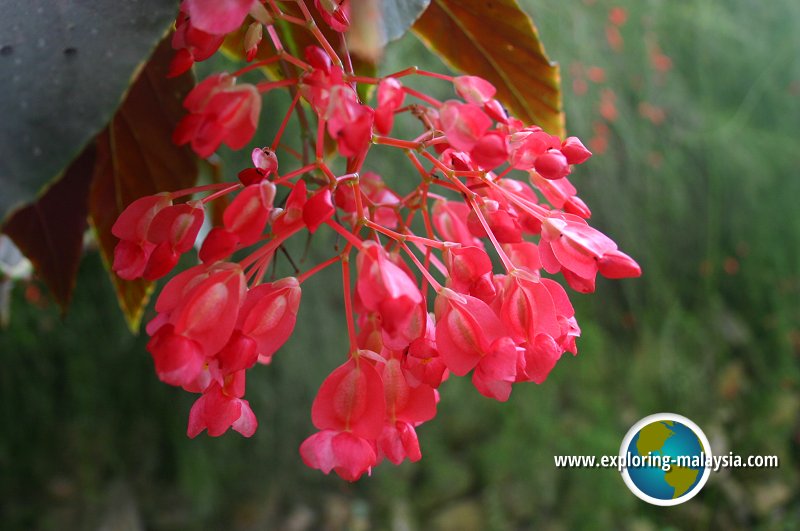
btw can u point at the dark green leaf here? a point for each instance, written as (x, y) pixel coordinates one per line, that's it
(64, 67)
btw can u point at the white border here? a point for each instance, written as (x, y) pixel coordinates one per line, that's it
(626, 441)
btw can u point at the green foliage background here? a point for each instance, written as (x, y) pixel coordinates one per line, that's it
(706, 201)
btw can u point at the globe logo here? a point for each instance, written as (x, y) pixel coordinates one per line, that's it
(666, 459)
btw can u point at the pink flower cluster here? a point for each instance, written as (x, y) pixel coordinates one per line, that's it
(423, 306)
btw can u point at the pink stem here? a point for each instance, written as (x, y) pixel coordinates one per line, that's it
(403, 237)
(346, 234)
(507, 263)
(394, 142)
(198, 189)
(255, 65)
(285, 121)
(424, 97)
(295, 173)
(316, 269)
(425, 273)
(348, 302)
(266, 86)
(224, 191)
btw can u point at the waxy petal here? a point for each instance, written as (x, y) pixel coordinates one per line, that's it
(351, 399)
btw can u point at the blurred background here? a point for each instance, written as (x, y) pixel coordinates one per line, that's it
(692, 109)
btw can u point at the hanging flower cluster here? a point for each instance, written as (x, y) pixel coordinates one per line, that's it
(408, 331)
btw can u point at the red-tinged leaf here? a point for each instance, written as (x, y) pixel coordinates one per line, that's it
(212, 167)
(50, 231)
(497, 41)
(136, 157)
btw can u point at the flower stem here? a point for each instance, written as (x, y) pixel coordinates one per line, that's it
(424, 97)
(316, 269)
(198, 189)
(425, 273)
(266, 86)
(255, 65)
(394, 142)
(349, 236)
(305, 169)
(507, 263)
(224, 191)
(285, 121)
(348, 301)
(404, 237)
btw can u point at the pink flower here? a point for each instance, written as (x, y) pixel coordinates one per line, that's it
(291, 218)
(491, 150)
(422, 364)
(317, 84)
(495, 315)
(474, 89)
(527, 307)
(178, 359)
(197, 313)
(552, 164)
(173, 232)
(349, 411)
(335, 13)
(385, 288)
(569, 244)
(247, 215)
(470, 271)
(561, 194)
(616, 264)
(217, 16)
(463, 124)
(268, 315)
(541, 356)
(404, 402)
(244, 221)
(153, 234)
(390, 98)
(192, 45)
(497, 370)
(318, 209)
(217, 411)
(399, 441)
(526, 146)
(133, 251)
(450, 221)
(346, 454)
(219, 112)
(524, 255)
(574, 150)
(466, 329)
(406, 407)
(349, 122)
(351, 399)
(502, 221)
